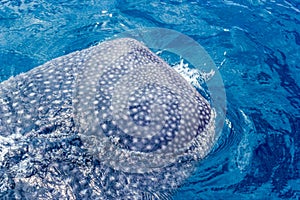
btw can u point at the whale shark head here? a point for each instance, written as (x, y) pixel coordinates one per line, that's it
(142, 122)
(136, 105)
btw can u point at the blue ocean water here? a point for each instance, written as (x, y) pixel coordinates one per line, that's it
(255, 45)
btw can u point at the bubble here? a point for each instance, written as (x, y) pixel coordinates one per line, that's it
(148, 109)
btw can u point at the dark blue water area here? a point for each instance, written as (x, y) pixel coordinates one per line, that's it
(254, 43)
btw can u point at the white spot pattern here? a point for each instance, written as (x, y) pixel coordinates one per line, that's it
(134, 113)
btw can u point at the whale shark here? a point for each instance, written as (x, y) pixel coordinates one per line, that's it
(113, 121)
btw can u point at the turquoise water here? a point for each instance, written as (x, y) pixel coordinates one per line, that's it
(254, 44)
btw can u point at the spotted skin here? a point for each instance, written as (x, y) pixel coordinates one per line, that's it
(134, 125)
